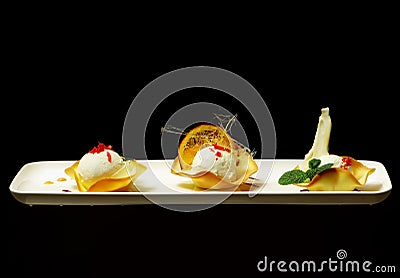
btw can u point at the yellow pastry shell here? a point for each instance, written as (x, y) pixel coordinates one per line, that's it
(121, 180)
(209, 180)
(339, 179)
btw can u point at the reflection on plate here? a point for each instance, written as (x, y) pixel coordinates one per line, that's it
(46, 183)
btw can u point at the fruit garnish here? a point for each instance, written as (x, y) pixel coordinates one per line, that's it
(197, 137)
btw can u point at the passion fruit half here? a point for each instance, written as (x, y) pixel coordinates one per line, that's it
(199, 136)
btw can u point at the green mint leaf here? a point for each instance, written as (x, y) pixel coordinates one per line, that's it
(310, 173)
(324, 167)
(314, 163)
(299, 176)
(291, 177)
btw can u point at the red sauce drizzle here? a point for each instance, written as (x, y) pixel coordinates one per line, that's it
(221, 148)
(100, 147)
(346, 163)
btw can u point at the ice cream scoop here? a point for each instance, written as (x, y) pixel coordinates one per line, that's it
(97, 164)
(217, 160)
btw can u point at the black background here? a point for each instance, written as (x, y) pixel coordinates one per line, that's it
(70, 90)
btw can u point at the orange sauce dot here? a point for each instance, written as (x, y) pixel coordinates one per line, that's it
(48, 182)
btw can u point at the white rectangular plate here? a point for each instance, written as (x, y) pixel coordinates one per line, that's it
(158, 185)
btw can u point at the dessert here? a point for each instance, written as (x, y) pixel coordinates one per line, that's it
(213, 160)
(103, 169)
(321, 170)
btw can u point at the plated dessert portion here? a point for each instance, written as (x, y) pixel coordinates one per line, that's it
(322, 171)
(104, 170)
(213, 159)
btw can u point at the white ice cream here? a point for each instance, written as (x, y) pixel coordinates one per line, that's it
(97, 165)
(331, 158)
(217, 161)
